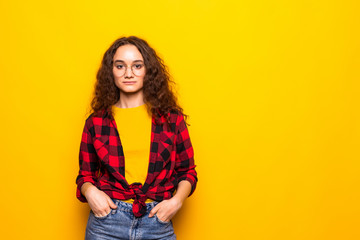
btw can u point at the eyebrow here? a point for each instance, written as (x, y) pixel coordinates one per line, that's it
(123, 61)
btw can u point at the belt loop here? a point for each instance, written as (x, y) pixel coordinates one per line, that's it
(153, 204)
(113, 211)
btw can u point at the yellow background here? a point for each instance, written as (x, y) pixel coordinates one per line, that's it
(271, 87)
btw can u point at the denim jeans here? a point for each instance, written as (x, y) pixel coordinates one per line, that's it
(121, 224)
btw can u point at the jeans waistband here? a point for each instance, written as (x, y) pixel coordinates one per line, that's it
(125, 206)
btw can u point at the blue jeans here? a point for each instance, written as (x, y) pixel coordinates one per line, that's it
(121, 224)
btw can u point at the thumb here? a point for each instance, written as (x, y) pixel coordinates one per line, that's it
(112, 204)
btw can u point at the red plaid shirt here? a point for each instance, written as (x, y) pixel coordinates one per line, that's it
(102, 162)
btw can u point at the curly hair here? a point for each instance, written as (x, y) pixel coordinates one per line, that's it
(157, 86)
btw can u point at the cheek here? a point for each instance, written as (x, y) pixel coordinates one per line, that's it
(115, 73)
(141, 83)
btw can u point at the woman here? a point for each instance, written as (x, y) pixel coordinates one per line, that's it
(133, 103)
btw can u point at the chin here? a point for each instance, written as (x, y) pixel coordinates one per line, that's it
(128, 89)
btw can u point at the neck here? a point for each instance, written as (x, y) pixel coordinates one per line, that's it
(130, 100)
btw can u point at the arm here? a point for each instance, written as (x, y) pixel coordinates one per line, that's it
(183, 190)
(184, 165)
(88, 164)
(86, 188)
(186, 175)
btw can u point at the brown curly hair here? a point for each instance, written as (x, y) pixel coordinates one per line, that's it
(158, 95)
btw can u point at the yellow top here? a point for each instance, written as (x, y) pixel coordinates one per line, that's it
(134, 127)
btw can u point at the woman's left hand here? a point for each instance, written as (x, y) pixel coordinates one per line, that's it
(166, 209)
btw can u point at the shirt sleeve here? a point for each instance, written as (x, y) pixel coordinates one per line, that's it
(184, 165)
(88, 162)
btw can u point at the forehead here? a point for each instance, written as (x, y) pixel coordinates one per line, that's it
(127, 52)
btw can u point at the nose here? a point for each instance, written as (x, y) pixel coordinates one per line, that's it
(128, 72)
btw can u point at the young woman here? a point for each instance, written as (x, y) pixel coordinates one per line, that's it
(136, 158)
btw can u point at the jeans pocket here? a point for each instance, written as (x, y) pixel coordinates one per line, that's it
(103, 217)
(160, 221)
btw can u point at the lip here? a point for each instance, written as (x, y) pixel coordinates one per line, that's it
(129, 82)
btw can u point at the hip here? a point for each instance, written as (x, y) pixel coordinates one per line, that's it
(121, 223)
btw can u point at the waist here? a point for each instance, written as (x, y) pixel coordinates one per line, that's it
(126, 206)
(132, 200)
(129, 195)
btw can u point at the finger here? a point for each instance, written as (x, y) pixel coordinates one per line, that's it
(163, 218)
(153, 211)
(106, 212)
(112, 204)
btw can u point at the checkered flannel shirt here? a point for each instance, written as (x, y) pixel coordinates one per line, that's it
(102, 162)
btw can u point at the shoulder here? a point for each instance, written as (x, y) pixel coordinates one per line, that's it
(178, 121)
(95, 118)
(176, 116)
(169, 120)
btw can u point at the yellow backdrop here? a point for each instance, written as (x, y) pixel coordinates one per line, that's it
(271, 87)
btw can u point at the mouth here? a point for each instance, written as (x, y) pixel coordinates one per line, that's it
(129, 82)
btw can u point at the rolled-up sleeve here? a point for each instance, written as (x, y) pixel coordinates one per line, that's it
(185, 166)
(88, 162)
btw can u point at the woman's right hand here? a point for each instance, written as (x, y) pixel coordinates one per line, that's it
(99, 202)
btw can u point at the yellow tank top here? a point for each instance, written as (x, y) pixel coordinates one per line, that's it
(134, 127)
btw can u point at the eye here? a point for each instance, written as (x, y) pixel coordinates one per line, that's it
(138, 66)
(119, 66)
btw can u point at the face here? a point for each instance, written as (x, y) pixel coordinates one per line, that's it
(128, 69)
